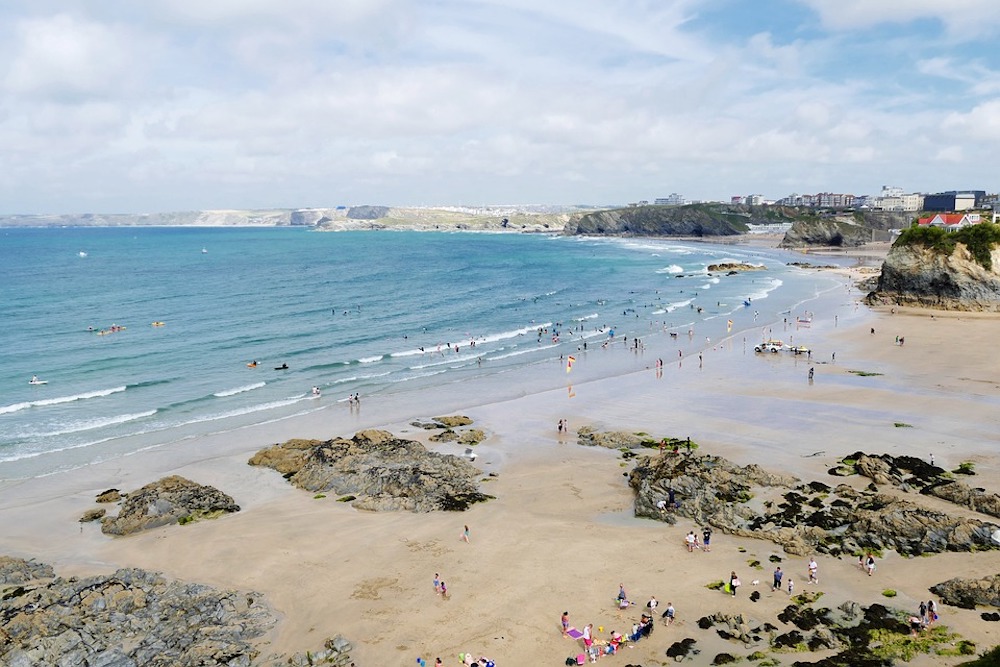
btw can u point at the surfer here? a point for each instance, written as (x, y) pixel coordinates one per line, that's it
(252, 364)
(282, 367)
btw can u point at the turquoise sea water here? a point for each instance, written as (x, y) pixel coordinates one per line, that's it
(347, 312)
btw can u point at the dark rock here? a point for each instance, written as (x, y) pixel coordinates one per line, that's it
(170, 500)
(754, 596)
(806, 518)
(735, 267)
(383, 472)
(967, 593)
(826, 232)
(992, 617)
(682, 649)
(724, 659)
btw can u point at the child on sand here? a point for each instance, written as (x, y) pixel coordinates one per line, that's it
(565, 622)
(465, 534)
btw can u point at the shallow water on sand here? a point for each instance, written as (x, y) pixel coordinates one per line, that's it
(374, 313)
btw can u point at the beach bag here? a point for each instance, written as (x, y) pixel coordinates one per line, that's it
(736, 582)
(571, 660)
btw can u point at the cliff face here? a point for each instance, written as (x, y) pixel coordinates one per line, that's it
(692, 220)
(826, 232)
(916, 275)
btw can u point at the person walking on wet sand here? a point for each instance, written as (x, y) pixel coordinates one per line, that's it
(465, 535)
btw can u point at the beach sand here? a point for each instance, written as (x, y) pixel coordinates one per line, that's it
(560, 535)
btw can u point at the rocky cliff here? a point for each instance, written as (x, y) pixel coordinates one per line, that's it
(691, 220)
(838, 232)
(919, 275)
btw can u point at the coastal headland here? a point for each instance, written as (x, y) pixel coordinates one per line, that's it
(564, 527)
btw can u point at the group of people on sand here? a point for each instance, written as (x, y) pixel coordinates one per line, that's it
(691, 540)
(595, 648)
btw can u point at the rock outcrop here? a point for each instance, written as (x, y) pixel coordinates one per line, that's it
(589, 437)
(170, 500)
(909, 473)
(380, 472)
(131, 618)
(826, 232)
(916, 275)
(735, 266)
(16, 571)
(802, 518)
(967, 593)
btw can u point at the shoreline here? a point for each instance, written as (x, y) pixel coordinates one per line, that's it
(560, 534)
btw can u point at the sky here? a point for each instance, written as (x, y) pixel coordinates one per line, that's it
(167, 105)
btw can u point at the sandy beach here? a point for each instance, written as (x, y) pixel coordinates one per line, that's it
(560, 535)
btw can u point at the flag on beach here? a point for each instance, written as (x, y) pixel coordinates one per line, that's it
(729, 327)
(569, 363)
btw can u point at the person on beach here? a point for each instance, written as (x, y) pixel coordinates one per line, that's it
(444, 590)
(652, 604)
(689, 540)
(565, 622)
(588, 636)
(813, 567)
(931, 611)
(734, 582)
(670, 613)
(870, 564)
(923, 612)
(812, 371)
(465, 534)
(791, 586)
(776, 583)
(437, 583)
(706, 538)
(621, 593)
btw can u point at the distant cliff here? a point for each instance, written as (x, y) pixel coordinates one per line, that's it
(690, 220)
(938, 269)
(843, 229)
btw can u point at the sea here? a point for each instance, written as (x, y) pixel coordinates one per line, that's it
(149, 336)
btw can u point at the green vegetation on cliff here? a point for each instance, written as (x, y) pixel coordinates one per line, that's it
(980, 239)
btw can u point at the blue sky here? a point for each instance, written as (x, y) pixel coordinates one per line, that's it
(123, 106)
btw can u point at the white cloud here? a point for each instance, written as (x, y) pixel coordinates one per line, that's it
(65, 57)
(964, 19)
(981, 123)
(183, 104)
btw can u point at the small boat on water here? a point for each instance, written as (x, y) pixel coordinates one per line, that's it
(204, 251)
(158, 323)
(82, 254)
(34, 380)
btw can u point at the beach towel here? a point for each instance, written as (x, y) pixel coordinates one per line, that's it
(574, 633)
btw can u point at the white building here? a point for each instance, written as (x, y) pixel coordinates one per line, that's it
(673, 200)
